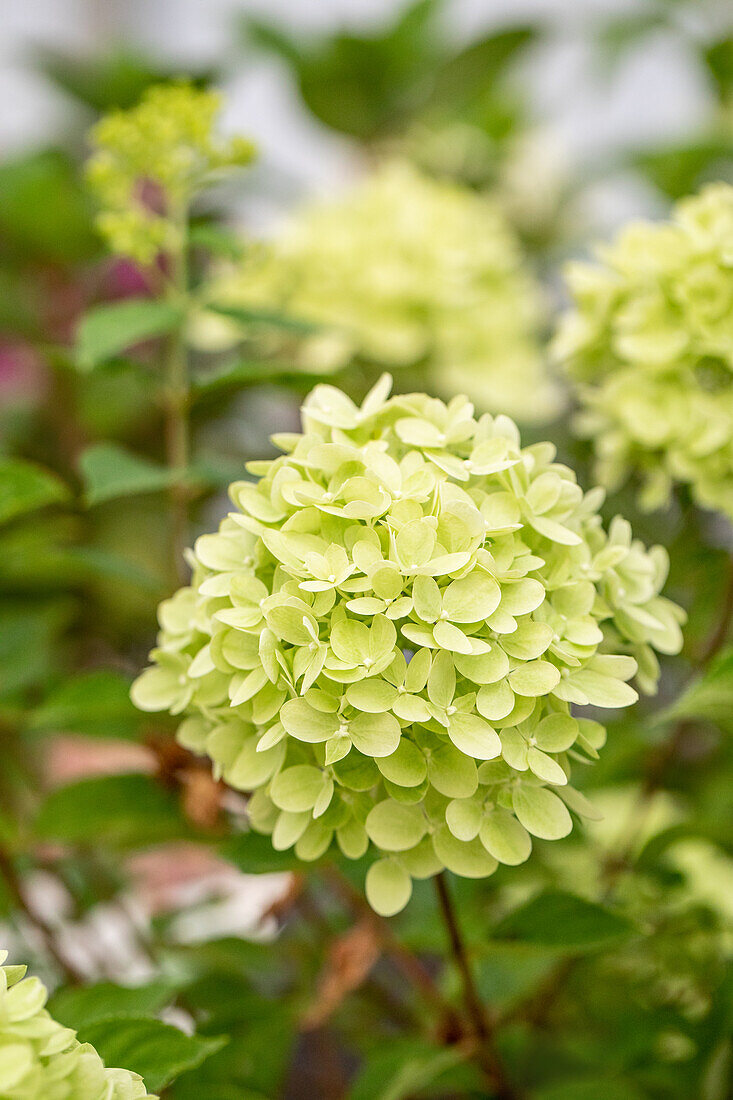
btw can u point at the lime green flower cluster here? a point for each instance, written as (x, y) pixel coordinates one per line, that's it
(649, 343)
(149, 161)
(407, 271)
(41, 1060)
(384, 640)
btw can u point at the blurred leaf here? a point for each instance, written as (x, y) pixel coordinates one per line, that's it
(119, 810)
(507, 971)
(78, 1007)
(44, 212)
(404, 1068)
(709, 697)
(365, 86)
(255, 372)
(678, 170)
(107, 330)
(116, 80)
(217, 239)
(157, 1051)
(29, 633)
(475, 71)
(93, 561)
(111, 471)
(589, 1088)
(93, 703)
(718, 1073)
(555, 919)
(24, 487)
(719, 60)
(254, 854)
(627, 32)
(267, 318)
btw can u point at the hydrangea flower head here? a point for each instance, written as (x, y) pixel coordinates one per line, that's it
(149, 161)
(649, 344)
(408, 271)
(41, 1060)
(385, 639)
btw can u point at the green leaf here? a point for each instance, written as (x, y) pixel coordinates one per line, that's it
(255, 372)
(44, 211)
(265, 318)
(25, 487)
(554, 918)
(93, 703)
(120, 810)
(711, 696)
(157, 1051)
(472, 72)
(111, 472)
(589, 1088)
(405, 1067)
(93, 561)
(113, 79)
(217, 239)
(254, 854)
(29, 637)
(108, 330)
(78, 1007)
(369, 85)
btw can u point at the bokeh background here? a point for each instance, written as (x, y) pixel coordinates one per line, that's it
(572, 116)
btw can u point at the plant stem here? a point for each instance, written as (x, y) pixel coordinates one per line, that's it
(405, 960)
(474, 1007)
(15, 889)
(177, 443)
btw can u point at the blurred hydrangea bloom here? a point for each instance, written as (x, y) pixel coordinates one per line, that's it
(649, 343)
(408, 271)
(41, 1060)
(149, 161)
(385, 639)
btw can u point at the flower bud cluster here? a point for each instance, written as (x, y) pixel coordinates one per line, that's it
(149, 161)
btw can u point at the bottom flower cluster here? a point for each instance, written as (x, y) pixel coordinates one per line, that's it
(41, 1060)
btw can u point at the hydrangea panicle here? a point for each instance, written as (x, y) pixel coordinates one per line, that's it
(41, 1060)
(385, 639)
(649, 344)
(407, 271)
(148, 162)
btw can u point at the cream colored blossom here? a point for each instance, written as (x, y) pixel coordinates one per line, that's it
(406, 271)
(386, 638)
(41, 1060)
(649, 344)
